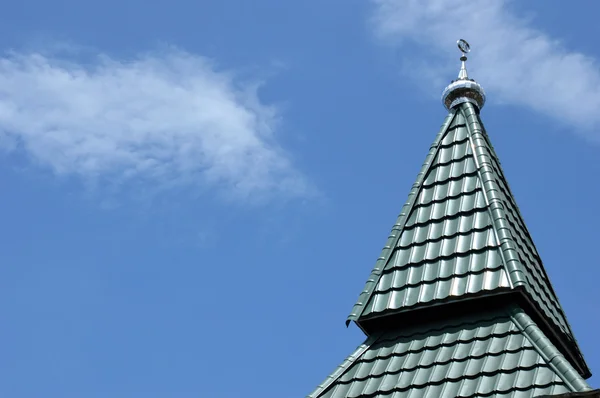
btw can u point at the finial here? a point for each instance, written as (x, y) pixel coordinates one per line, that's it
(464, 48)
(464, 89)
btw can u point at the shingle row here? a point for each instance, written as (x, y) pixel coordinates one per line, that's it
(472, 358)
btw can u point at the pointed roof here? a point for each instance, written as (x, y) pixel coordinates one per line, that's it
(461, 235)
(459, 303)
(500, 353)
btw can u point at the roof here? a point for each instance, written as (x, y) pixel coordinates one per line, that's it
(460, 235)
(495, 354)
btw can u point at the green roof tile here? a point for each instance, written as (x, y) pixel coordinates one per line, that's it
(460, 234)
(496, 354)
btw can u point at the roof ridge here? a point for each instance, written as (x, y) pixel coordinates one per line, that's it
(495, 208)
(520, 221)
(389, 248)
(502, 224)
(501, 172)
(548, 351)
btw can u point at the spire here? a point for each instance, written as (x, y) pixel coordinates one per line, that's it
(459, 303)
(463, 89)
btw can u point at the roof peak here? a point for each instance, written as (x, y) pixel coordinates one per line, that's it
(463, 89)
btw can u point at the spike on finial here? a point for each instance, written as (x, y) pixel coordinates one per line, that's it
(464, 89)
(464, 48)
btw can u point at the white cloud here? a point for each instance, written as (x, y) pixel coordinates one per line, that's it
(163, 119)
(513, 61)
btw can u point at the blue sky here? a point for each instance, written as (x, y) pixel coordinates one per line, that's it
(194, 193)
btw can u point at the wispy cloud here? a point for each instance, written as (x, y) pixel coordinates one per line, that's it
(164, 119)
(514, 61)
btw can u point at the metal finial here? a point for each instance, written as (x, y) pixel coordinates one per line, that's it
(464, 47)
(463, 89)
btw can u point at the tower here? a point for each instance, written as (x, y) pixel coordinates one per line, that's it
(458, 303)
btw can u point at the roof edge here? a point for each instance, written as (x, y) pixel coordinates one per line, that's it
(561, 366)
(568, 347)
(339, 371)
(392, 241)
(448, 307)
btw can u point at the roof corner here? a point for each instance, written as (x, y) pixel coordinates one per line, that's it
(551, 354)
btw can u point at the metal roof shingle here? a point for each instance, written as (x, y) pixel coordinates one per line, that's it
(479, 355)
(460, 233)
